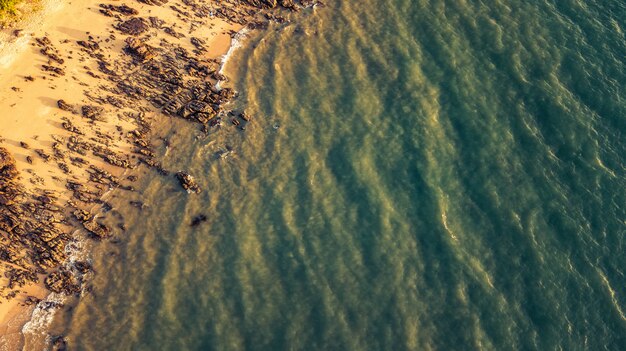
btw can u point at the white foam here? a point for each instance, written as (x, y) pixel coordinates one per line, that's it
(236, 43)
(36, 330)
(42, 316)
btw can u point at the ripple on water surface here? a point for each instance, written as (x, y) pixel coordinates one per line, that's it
(419, 174)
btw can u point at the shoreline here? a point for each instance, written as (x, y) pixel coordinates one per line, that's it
(78, 116)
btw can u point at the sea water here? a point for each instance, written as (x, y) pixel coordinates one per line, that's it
(418, 175)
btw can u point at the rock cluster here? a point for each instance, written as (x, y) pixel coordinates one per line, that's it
(154, 2)
(139, 50)
(8, 171)
(124, 10)
(62, 281)
(66, 107)
(133, 26)
(92, 112)
(262, 3)
(31, 240)
(54, 57)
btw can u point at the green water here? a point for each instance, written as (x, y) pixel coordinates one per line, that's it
(419, 175)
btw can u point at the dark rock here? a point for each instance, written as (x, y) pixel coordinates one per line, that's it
(55, 70)
(204, 117)
(92, 112)
(133, 26)
(188, 183)
(96, 229)
(65, 106)
(198, 43)
(7, 165)
(258, 25)
(67, 125)
(288, 4)
(122, 9)
(45, 41)
(195, 106)
(62, 282)
(199, 219)
(172, 32)
(154, 2)
(156, 22)
(215, 122)
(245, 116)
(18, 277)
(139, 50)
(82, 266)
(116, 102)
(59, 343)
(114, 159)
(48, 305)
(81, 215)
(52, 54)
(43, 155)
(89, 45)
(264, 4)
(31, 300)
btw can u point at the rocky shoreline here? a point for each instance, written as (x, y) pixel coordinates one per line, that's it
(146, 71)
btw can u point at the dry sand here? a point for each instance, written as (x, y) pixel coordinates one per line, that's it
(28, 109)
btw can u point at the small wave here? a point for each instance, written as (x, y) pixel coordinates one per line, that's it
(36, 330)
(236, 43)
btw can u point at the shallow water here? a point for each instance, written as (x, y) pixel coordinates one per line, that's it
(418, 175)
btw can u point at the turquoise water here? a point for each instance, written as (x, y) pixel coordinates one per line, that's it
(441, 175)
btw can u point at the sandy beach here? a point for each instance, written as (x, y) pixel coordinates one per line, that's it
(29, 109)
(77, 104)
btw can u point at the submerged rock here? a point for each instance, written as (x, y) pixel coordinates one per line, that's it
(82, 266)
(245, 116)
(197, 220)
(96, 229)
(188, 183)
(59, 343)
